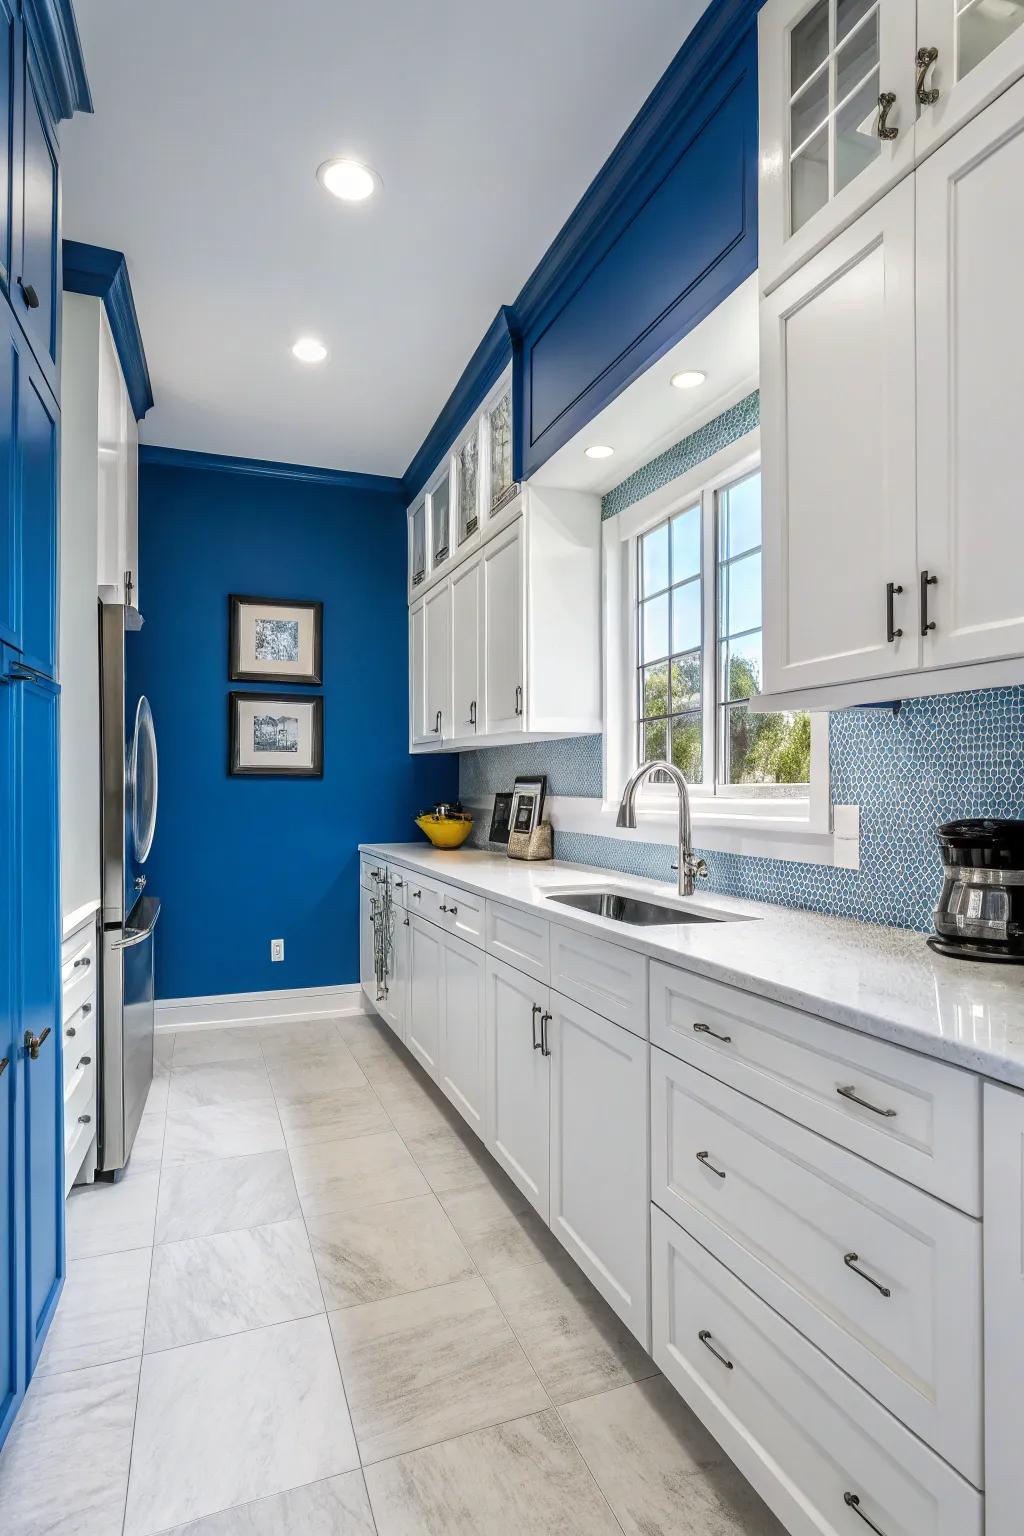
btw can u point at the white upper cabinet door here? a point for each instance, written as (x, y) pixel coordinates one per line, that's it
(131, 504)
(838, 436)
(466, 612)
(1004, 1307)
(419, 734)
(504, 631)
(518, 1080)
(600, 1177)
(462, 1032)
(423, 1019)
(417, 544)
(440, 504)
(978, 48)
(970, 360)
(837, 108)
(437, 606)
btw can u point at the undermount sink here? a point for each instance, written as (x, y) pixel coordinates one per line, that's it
(628, 909)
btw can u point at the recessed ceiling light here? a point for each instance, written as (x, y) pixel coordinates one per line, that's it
(348, 179)
(690, 378)
(599, 451)
(308, 350)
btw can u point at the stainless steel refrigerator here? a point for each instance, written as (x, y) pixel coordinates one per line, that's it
(129, 790)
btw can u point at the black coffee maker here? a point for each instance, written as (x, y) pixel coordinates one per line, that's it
(980, 913)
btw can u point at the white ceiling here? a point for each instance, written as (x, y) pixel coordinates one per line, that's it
(486, 123)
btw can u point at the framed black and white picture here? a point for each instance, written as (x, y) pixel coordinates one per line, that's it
(273, 735)
(274, 640)
(501, 818)
(528, 802)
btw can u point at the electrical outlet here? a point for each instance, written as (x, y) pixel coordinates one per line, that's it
(277, 949)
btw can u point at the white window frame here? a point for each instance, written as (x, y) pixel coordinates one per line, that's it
(731, 817)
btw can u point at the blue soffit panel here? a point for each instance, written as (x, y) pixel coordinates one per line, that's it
(104, 274)
(482, 371)
(54, 33)
(344, 479)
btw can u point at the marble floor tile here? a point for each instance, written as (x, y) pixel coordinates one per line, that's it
(386, 1250)
(110, 1218)
(572, 1338)
(394, 1072)
(525, 1478)
(425, 1367)
(225, 1194)
(344, 1175)
(222, 1130)
(101, 1314)
(218, 1082)
(415, 1110)
(499, 1227)
(315, 1072)
(236, 1419)
(338, 1506)
(450, 1159)
(163, 1049)
(193, 1046)
(330, 1114)
(366, 1036)
(148, 1146)
(660, 1469)
(206, 1287)
(156, 1098)
(64, 1468)
(298, 1037)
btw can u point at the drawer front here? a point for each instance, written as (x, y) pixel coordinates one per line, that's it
(518, 938)
(78, 1032)
(78, 969)
(806, 1436)
(463, 915)
(75, 1149)
(399, 882)
(885, 1279)
(603, 977)
(424, 897)
(371, 872)
(919, 1118)
(79, 1091)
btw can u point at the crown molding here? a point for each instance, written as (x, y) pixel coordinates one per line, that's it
(94, 270)
(151, 454)
(58, 47)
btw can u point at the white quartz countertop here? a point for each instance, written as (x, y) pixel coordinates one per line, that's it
(882, 981)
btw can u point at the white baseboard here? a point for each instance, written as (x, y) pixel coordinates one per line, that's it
(237, 1008)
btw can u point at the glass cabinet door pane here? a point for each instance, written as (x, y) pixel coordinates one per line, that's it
(439, 510)
(501, 448)
(857, 141)
(468, 486)
(981, 26)
(809, 181)
(418, 552)
(808, 45)
(857, 59)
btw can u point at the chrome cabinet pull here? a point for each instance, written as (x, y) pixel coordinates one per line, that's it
(545, 1020)
(853, 1502)
(519, 698)
(537, 1009)
(886, 102)
(850, 1260)
(925, 59)
(705, 1337)
(443, 907)
(704, 1157)
(850, 1092)
(399, 884)
(892, 590)
(705, 1029)
(472, 713)
(927, 581)
(33, 1042)
(437, 724)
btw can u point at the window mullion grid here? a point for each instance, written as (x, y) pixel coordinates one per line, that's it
(709, 643)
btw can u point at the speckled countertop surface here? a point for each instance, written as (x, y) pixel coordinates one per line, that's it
(882, 981)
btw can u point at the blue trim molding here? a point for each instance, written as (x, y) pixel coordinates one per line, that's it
(104, 274)
(481, 373)
(54, 33)
(267, 469)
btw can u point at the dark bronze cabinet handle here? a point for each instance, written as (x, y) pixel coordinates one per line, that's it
(705, 1029)
(472, 713)
(33, 1042)
(537, 1009)
(926, 582)
(886, 102)
(453, 911)
(850, 1260)
(519, 698)
(925, 59)
(892, 590)
(416, 895)
(85, 1119)
(86, 1009)
(705, 1158)
(437, 724)
(71, 1031)
(853, 1502)
(545, 1020)
(84, 962)
(85, 1061)
(4, 1064)
(29, 294)
(705, 1337)
(850, 1092)
(443, 907)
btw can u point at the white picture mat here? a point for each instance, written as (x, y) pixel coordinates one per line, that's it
(248, 613)
(299, 709)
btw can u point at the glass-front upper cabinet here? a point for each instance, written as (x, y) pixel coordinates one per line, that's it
(838, 103)
(499, 439)
(467, 464)
(969, 52)
(440, 521)
(417, 544)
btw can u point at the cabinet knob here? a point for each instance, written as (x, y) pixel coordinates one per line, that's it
(85, 1119)
(29, 294)
(454, 911)
(86, 1009)
(71, 1031)
(84, 963)
(886, 102)
(926, 57)
(33, 1042)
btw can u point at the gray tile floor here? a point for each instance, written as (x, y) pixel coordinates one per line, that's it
(314, 1304)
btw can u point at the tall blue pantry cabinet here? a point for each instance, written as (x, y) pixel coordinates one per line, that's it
(42, 80)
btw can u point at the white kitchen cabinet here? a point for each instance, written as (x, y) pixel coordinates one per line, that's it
(970, 384)
(518, 1111)
(117, 477)
(600, 1185)
(430, 677)
(1004, 1307)
(503, 633)
(979, 46)
(462, 1060)
(466, 617)
(423, 1017)
(394, 1005)
(367, 974)
(837, 360)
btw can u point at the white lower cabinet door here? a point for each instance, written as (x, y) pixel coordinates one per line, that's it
(423, 1021)
(882, 1277)
(367, 976)
(518, 1113)
(1004, 1308)
(600, 1186)
(462, 1030)
(826, 1457)
(395, 1004)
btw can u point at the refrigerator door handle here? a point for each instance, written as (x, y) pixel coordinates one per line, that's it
(137, 935)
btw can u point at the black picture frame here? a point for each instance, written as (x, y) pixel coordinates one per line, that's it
(314, 702)
(236, 602)
(501, 819)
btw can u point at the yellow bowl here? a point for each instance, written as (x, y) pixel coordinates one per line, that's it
(446, 833)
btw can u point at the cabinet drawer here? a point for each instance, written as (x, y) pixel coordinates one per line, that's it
(792, 1214)
(424, 897)
(75, 1147)
(78, 1031)
(79, 1090)
(602, 976)
(78, 969)
(919, 1118)
(399, 882)
(798, 1428)
(519, 938)
(463, 914)
(371, 872)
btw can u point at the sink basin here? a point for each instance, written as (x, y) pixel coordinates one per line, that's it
(627, 909)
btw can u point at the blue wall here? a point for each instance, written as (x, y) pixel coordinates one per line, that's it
(237, 862)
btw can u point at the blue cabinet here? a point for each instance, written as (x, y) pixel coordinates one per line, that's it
(36, 486)
(10, 34)
(36, 288)
(11, 1371)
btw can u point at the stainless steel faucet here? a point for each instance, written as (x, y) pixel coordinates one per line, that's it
(690, 869)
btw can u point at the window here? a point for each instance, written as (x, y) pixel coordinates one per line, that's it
(698, 645)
